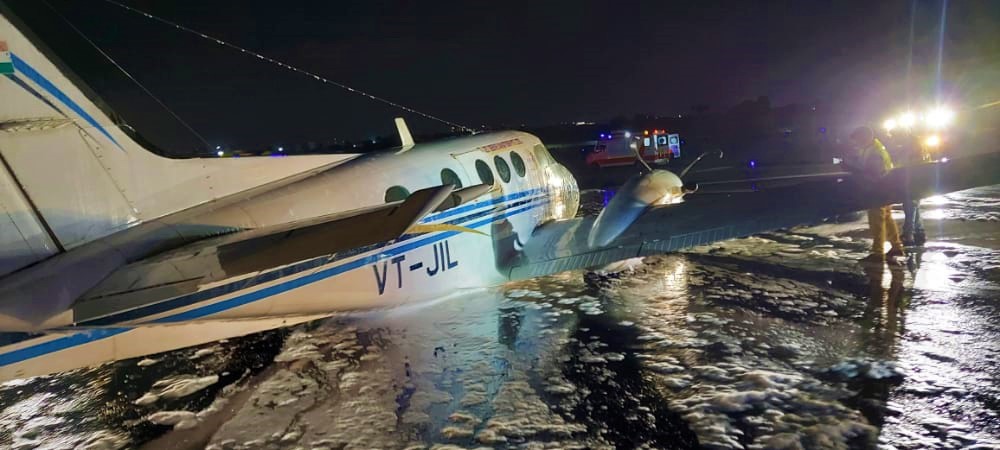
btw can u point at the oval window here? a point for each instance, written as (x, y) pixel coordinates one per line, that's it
(449, 176)
(502, 168)
(485, 174)
(518, 163)
(395, 194)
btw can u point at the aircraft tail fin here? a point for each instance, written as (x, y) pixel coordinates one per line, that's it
(70, 173)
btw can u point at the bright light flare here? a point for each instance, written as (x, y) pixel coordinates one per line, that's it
(907, 120)
(889, 124)
(932, 140)
(939, 118)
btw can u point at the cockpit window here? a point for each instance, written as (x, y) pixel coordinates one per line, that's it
(449, 176)
(485, 174)
(518, 163)
(502, 168)
(543, 156)
(396, 193)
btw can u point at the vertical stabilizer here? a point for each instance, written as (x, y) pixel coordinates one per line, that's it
(70, 174)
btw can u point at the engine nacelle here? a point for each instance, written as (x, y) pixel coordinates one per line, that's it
(659, 187)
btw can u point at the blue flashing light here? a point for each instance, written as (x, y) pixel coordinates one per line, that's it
(607, 195)
(822, 130)
(753, 163)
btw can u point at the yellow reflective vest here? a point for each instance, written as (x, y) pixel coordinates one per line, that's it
(875, 159)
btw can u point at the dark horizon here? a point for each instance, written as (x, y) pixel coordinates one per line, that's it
(494, 64)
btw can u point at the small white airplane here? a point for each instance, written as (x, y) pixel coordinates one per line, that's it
(108, 251)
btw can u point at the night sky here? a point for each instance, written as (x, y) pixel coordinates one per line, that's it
(512, 63)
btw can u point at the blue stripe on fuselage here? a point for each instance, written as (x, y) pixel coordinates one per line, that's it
(23, 67)
(197, 297)
(234, 302)
(87, 336)
(477, 205)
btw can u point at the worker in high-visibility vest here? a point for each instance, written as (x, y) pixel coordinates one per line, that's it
(873, 162)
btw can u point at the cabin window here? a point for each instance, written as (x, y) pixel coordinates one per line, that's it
(449, 176)
(518, 163)
(395, 194)
(485, 174)
(502, 168)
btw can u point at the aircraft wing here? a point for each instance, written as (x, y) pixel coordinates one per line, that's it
(118, 318)
(189, 268)
(699, 220)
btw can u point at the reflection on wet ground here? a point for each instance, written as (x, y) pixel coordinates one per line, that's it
(776, 341)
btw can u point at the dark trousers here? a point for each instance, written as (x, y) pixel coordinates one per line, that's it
(911, 218)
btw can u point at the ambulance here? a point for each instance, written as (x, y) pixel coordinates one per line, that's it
(619, 148)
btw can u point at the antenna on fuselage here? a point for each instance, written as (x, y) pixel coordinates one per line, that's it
(405, 138)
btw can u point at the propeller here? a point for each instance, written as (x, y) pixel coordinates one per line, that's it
(657, 187)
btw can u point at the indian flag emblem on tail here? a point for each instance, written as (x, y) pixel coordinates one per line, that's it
(6, 67)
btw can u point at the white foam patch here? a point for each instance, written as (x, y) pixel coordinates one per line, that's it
(147, 362)
(201, 353)
(524, 293)
(147, 399)
(298, 346)
(176, 387)
(180, 420)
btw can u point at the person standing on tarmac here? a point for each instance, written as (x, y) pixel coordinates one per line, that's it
(910, 151)
(873, 162)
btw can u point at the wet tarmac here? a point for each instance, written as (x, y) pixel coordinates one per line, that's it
(778, 341)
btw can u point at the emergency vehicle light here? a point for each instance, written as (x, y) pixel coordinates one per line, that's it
(939, 117)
